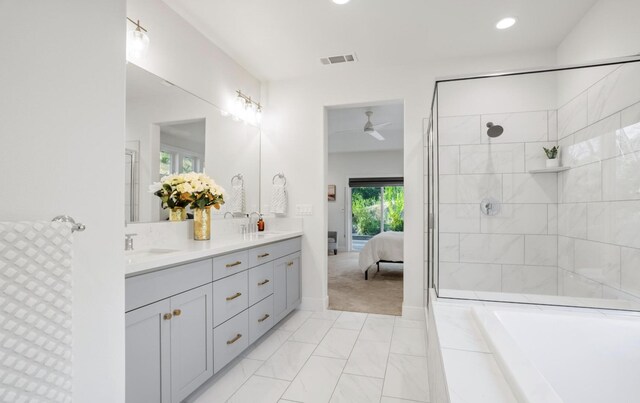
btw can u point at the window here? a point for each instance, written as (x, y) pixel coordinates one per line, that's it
(174, 160)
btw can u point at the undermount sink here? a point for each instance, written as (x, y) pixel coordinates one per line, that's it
(148, 252)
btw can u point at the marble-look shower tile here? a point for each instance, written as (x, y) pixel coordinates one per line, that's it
(460, 217)
(469, 188)
(596, 142)
(573, 116)
(337, 343)
(528, 188)
(598, 261)
(572, 220)
(630, 266)
(566, 252)
(574, 285)
(457, 329)
(406, 378)
(470, 276)
(582, 184)
(629, 135)
(615, 222)
(409, 341)
(519, 127)
(449, 247)
(312, 331)
(623, 299)
(472, 375)
(541, 250)
(535, 158)
(287, 361)
(552, 219)
(449, 160)
(492, 248)
(260, 390)
(492, 158)
(553, 125)
(618, 90)
(357, 389)
(530, 279)
(458, 130)
(620, 178)
(516, 219)
(368, 358)
(316, 380)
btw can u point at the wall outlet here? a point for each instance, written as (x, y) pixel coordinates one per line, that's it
(304, 209)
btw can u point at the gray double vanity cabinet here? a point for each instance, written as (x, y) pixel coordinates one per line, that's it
(185, 322)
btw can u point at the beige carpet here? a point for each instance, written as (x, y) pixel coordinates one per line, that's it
(349, 291)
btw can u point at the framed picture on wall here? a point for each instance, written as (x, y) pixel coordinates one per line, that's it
(332, 193)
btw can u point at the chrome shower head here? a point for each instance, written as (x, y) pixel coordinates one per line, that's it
(494, 130)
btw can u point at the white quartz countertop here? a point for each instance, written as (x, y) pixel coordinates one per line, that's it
(147, 260)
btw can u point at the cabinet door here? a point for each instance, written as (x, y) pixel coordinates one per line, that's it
(147, 354)
(191, 341)
(279, 288)
(293, 280)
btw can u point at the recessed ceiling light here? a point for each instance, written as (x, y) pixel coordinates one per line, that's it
(341, 1)
(505, 23)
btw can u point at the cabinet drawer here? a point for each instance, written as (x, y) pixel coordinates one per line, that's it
(266, 253)
(229, 340)
(260, 318)
(230, 297)
(151, 287)
(224, 266)
(260, 282)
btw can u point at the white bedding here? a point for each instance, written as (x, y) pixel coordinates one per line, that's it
(385, 246)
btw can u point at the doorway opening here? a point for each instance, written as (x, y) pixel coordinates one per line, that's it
(365, 214)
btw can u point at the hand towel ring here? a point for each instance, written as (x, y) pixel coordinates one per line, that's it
(281, 176)
(238, 177)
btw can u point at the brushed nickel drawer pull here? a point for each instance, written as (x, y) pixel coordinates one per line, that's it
(177, 312)
(263, 255)
(236, 263)
(167, 316)
(236, 295)
(265, 317)
(263, 282)
(234, 339)
(289, 263)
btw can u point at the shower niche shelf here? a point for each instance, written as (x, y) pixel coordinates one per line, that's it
(549, 170)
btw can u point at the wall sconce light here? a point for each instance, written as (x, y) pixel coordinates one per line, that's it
(247, 110)
(137, 40)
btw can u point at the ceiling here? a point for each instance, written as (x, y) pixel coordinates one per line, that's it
(279, 39)
(346, 128)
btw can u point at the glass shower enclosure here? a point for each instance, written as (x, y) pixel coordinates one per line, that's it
(533, 186)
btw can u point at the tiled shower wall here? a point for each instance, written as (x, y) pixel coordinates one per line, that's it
(599, 198)
(516, 250)
(574, 233)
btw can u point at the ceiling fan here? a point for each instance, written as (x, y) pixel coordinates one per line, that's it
(370, 128)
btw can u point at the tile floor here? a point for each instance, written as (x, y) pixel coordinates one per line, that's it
(328, 356)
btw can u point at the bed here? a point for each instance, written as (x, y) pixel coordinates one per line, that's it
(384, 247)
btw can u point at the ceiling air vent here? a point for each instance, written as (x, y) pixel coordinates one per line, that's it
(338, 59)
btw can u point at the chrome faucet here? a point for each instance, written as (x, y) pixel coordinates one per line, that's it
(128, 241)
(253, 226)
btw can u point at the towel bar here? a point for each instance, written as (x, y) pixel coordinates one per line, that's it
(238, 177)
(281, 176)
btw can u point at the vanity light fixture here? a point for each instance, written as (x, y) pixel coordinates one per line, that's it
(247, 109)
(506, 22)
(137, 40)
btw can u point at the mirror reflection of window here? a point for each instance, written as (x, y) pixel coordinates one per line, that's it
(182, 147)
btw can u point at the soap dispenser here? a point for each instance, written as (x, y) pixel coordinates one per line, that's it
(260, 223)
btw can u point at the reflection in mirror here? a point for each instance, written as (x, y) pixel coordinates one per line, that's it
(170, 130)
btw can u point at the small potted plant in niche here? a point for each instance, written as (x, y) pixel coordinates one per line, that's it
(552, 156)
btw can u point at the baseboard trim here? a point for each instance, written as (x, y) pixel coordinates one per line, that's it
(314, 304)
(413, 312)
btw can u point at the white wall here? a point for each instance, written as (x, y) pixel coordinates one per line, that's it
(342, 166)
(295, 143)
(61, 142)
(182, 55)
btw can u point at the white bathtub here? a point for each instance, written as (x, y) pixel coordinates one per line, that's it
(570, 357)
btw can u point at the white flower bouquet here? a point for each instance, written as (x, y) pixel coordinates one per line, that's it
(192, 189)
